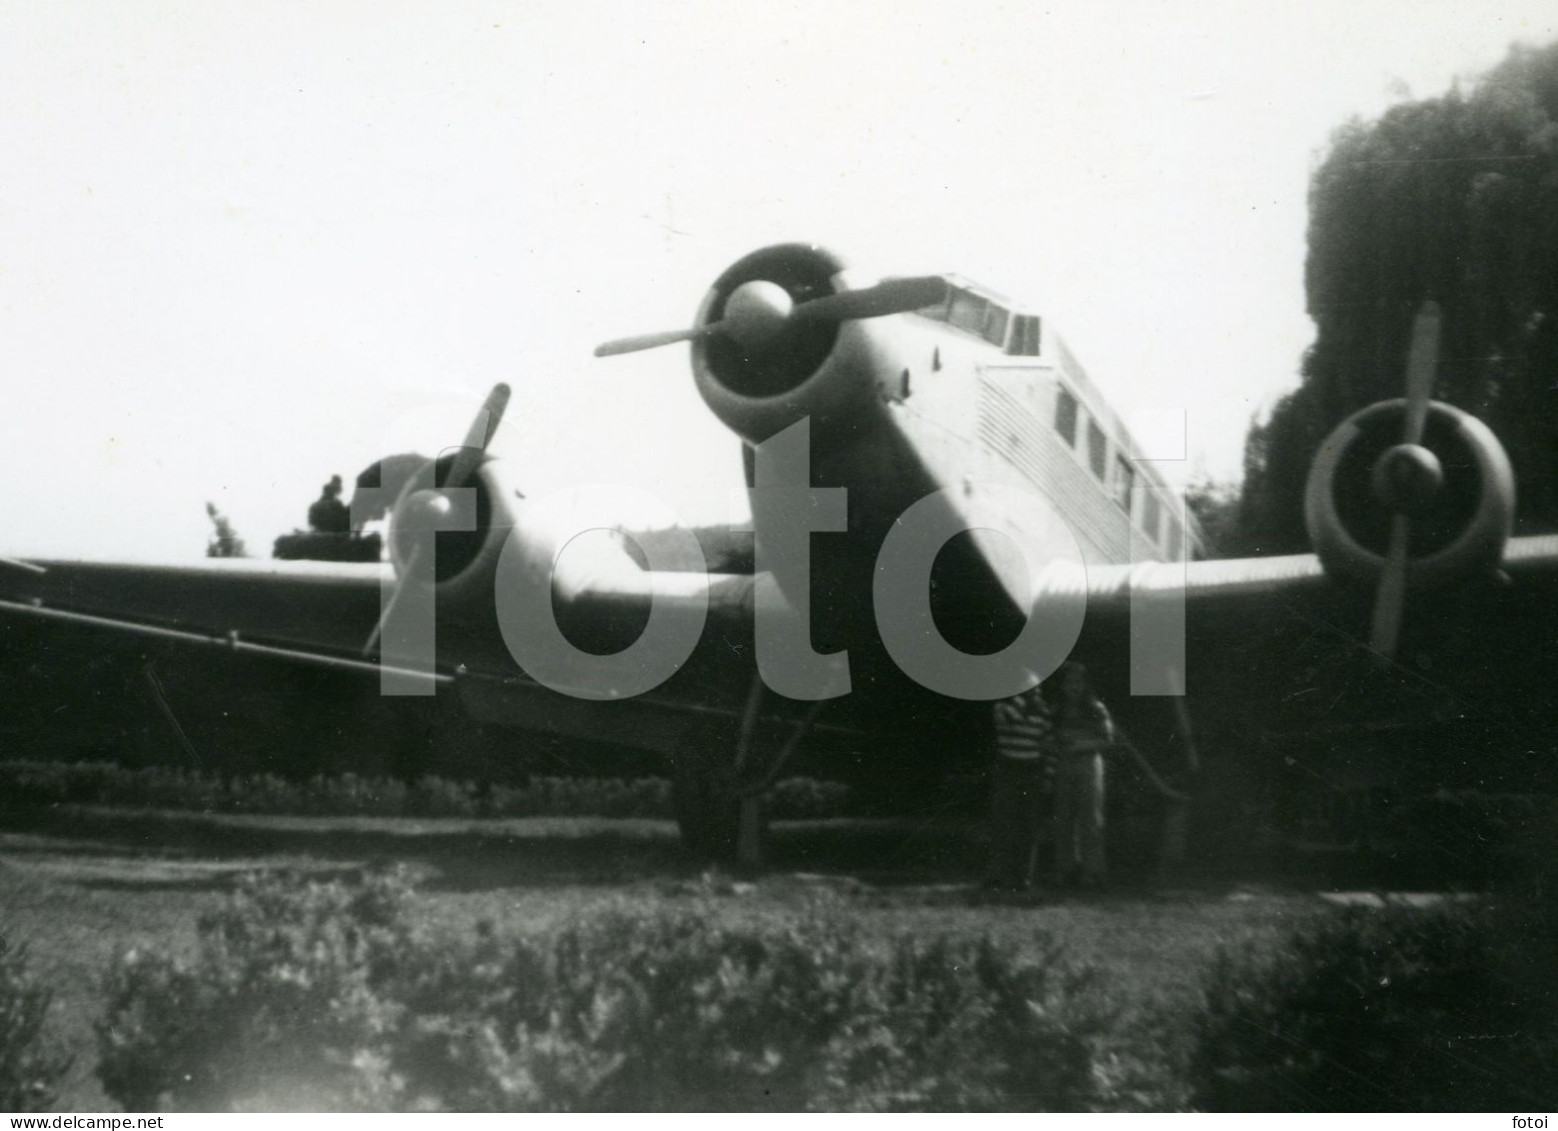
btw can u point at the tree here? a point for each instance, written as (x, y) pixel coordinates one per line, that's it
(1215, 506)
(1453, 199)
(224, 542)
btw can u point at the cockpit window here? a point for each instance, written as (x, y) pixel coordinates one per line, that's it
(996, 319)
(937, 311)
(968, 312)
(1025, 336)
(987, 318)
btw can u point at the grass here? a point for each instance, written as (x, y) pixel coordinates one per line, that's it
(80, 886)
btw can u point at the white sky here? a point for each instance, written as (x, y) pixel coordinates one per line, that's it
(245, 246)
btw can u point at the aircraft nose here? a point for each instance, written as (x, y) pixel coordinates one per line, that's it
(755, 312)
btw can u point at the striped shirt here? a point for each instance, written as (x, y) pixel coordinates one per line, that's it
(1023, 726)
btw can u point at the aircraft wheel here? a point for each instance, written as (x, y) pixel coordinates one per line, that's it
(704, 795)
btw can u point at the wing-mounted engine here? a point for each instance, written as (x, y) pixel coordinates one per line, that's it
(1410, 493)
(441, 536)
(470, 534)
(1455, 487)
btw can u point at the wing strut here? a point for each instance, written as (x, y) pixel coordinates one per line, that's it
(230, 642)
(160, 697)
(749, 824)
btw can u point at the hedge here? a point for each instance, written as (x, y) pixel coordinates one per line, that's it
(324, 996)
(1443, 1009)
(31, 1065)
(164, 787)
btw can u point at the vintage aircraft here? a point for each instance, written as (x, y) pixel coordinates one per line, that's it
(924, 584)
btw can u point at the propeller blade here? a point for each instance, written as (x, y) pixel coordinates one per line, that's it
(467, 459)
(1391, 598)
(389, 606)
(1422, 361)
(757, 323)
(653, 341)
(478, 436)
(28, 567)
(891, 296)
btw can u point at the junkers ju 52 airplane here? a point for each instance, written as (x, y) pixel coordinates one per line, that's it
(917, 449)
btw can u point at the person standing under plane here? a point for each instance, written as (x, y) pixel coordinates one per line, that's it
(1083, 732)
(1024, 763)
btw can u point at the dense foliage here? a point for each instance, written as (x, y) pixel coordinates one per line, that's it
(1403, 1010)
(325, 996)
(1215, 507)
(1453, 199)
(30, 1064)
(345, 996)
(165, 787)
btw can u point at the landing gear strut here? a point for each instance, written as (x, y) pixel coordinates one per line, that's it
(719, 784)
(704, 794)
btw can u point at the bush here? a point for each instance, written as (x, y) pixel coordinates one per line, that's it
(808, 799)
(671, 1012)
(30, 1064)
(1402, 1010)
(280, 1009)
(323, 996)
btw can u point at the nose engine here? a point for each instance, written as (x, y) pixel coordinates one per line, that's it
(769, 371)
(778, 337)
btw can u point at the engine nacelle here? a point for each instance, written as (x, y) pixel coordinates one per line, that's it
(820, 369)
(465, 558)
(470, 563)
(1456, 488)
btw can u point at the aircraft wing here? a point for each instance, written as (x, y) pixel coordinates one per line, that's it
(323, 612)
(1278, 646)
(1250, 591)
(82, 622)
(1530, 560)
(311, 612)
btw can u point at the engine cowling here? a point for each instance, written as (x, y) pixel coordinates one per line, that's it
(821, 369)
(1456, 485)
(464, 557)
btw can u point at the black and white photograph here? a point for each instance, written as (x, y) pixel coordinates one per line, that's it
(793, 557)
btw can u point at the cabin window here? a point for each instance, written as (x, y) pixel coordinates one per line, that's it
(1025, 336)
(968, 312)
(1124, 482)
(1173, 542)
(1097, 449)
(1066, 416)
(1149, 514)
(995, 325)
